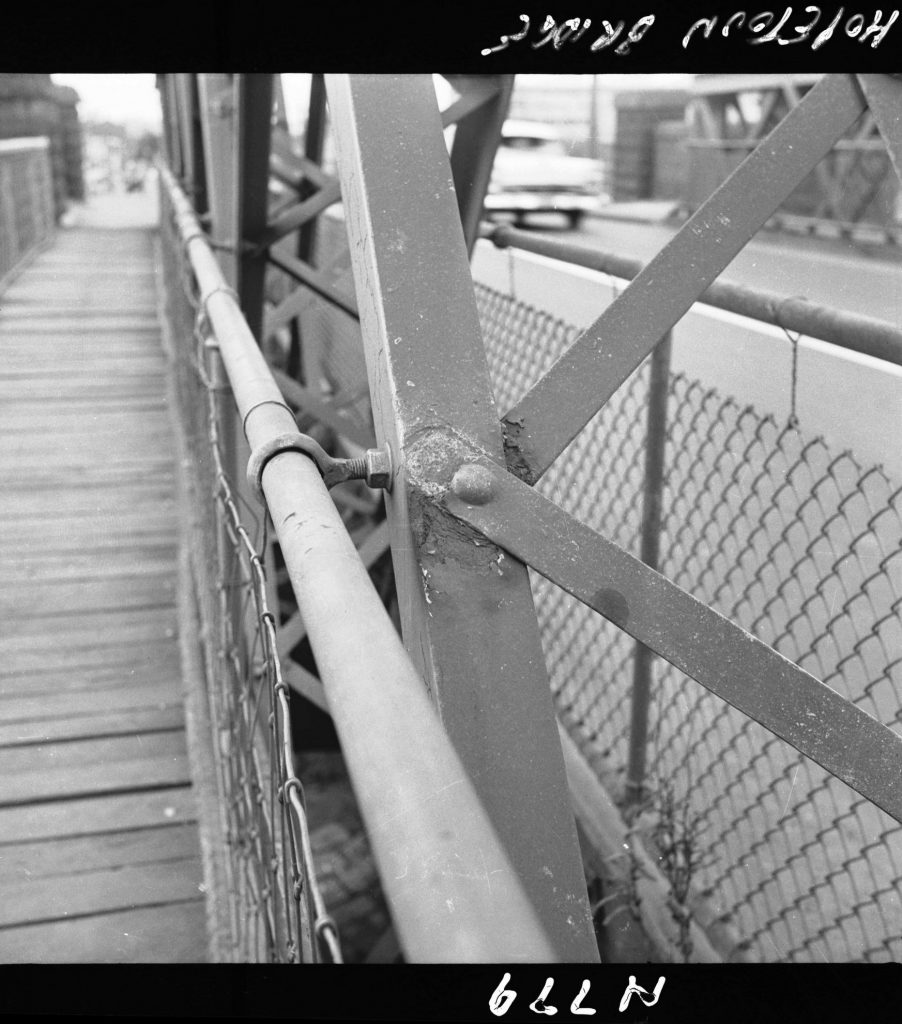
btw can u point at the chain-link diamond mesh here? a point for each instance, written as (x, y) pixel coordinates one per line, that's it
(277, 912)
(797, 543)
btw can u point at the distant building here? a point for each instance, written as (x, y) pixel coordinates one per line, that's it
(31, 105)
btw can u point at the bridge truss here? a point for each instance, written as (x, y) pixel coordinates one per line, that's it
(372, 333)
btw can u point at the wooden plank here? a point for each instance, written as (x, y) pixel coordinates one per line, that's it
(110, 324)
(87, 391)
(101, 891)
(68, 290)
(86, 726)
(80, 450)
(95, 476)
(122, 498)
(17, 411)
(82, 533)
(59, 660)
(96, 814)
(89, 752)
(105, 595)
(164, 692)
(37, 860)
(170, 934)
(99, 854)
(51, 365)
(160, 671)
(45, 349)
(93, 780)
(54, 566)
(20, 417)
(89, 628)
(49, 314)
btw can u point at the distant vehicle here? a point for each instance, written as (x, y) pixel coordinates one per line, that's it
(534, 173)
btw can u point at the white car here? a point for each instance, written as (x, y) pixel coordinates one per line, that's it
(533, 173)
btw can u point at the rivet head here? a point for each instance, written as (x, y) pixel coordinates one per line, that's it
(473, 484)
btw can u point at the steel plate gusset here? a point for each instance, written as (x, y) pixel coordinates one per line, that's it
(541, 425)
(733, 664)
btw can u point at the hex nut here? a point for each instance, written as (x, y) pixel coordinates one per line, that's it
(378, 467)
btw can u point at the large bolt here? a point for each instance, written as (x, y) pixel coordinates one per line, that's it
(378, 467)
(473, 484)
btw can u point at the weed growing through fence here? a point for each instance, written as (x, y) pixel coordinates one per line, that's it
(677, 835)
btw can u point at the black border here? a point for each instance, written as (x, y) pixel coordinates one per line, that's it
(237, 35)
(695, 994)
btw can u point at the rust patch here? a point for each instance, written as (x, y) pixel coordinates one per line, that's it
(514, 454)
(612, 605)
(431, 461)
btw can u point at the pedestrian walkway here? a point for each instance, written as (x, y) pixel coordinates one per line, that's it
(99, 851)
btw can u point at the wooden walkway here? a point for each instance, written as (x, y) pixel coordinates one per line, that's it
(99, 850)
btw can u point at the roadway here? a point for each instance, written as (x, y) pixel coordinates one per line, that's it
(854, 276)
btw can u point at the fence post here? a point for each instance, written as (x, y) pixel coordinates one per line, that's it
(649, 552)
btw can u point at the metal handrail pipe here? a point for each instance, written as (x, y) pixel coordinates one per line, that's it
(453, 892)
(851, 331)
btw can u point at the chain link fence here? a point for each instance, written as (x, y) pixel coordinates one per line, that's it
(797, 543)
(276, 910)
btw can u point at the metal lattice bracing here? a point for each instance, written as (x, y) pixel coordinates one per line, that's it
(732, 114)
(377, 340)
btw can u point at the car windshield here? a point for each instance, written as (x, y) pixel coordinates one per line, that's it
(532, 144)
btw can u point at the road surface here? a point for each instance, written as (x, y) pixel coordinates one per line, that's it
(858, 277)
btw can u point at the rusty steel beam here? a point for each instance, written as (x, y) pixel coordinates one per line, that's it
(561, 403)
(731, 663)
(467, 614)
(454, 894)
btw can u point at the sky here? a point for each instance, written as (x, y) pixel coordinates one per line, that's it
(131, 100)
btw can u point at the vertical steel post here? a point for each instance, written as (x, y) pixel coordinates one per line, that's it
(253, 125)
(314, 139)
(466, 608)
(650, 545)
(182, 86)
(215, 93)
(196, 142)
(476, 140)
(175, 130)
(217, 109)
